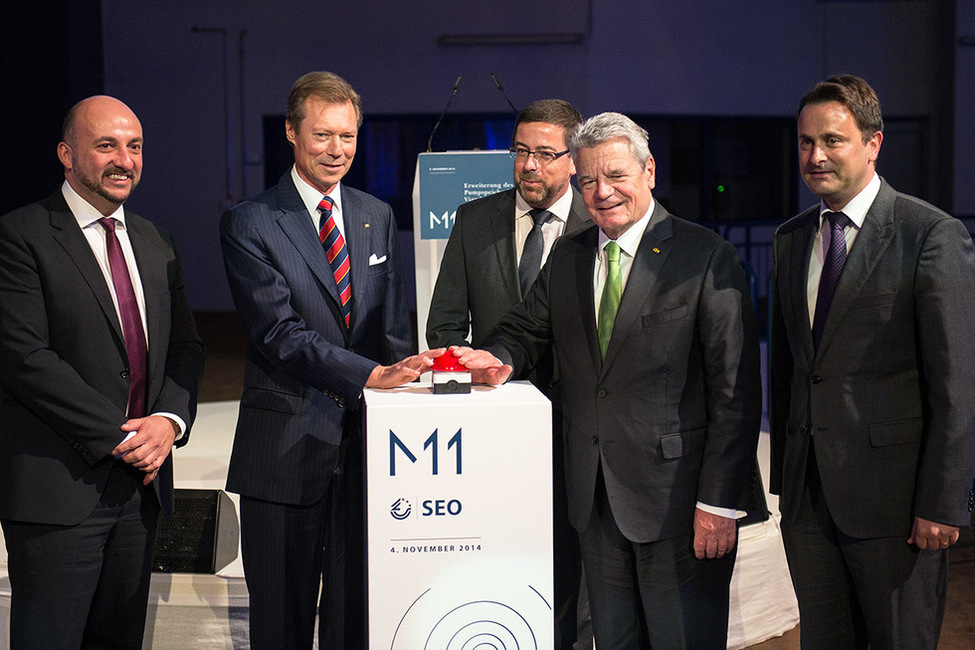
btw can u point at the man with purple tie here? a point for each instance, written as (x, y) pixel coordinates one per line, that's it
(872, 365)
(100, 364)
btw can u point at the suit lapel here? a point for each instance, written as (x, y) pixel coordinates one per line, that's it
(503, 232)
(873, 239)
(357, 238)
(646, 267)
(72, 240)
(296, 223)
(801, 248)
(585, 260)
(578, 217)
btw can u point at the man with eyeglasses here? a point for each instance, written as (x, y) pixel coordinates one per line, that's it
(496, 248)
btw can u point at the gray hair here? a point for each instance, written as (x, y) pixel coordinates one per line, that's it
(611, 126)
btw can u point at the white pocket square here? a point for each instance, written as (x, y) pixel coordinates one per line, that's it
(373, 260)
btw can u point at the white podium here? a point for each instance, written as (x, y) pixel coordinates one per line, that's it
(459, 518)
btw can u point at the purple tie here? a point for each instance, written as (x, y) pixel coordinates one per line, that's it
(832, 268)
(132, 332)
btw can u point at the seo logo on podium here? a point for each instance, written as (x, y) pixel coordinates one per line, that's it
(459, 518)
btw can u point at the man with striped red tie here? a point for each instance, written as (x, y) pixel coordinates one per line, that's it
(316, 276)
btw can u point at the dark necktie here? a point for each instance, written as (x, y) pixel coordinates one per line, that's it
(609, 303)
(337, 254)
(132, 331)
(832, 268)
(531, 253)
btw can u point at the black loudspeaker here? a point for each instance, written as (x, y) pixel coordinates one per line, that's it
(202, 535)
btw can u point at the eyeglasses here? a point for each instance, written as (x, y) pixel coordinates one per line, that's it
(541, 157)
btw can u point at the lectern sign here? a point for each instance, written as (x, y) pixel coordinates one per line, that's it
(450, 179)
(459, 502)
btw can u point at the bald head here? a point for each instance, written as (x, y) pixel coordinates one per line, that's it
(101, 150)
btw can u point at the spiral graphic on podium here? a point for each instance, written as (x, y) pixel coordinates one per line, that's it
(438, 620)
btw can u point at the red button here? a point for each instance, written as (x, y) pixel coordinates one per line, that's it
(447, 362)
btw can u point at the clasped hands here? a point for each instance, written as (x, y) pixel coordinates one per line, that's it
(152, 443)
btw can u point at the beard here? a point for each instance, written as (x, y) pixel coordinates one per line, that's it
(542, 196)
(118, 197)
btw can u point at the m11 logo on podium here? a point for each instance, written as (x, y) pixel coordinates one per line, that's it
(431, 444)
(459, 498)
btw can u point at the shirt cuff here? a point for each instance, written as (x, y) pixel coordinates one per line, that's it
(727, 513)
(180, 425)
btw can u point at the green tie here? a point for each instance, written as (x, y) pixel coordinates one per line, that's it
(610, 301)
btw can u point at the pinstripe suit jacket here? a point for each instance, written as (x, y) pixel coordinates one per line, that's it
(305, 370)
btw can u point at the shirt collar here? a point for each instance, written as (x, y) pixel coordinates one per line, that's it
(629, 241)
(311, 197)
(858, 206)
(84, 212)
(559, 209)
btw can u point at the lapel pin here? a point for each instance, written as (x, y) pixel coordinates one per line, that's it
(656, 250)
(366, 225)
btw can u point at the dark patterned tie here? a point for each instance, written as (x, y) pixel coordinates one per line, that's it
(132, 331)
(832, 268)
(531, 254)
(337, 254)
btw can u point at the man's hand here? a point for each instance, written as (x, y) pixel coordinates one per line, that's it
(485, 367)
(713, 535)
(930, 535)
(152, 443)
(402, 372)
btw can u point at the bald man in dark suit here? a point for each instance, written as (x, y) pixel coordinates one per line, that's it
(99, 382)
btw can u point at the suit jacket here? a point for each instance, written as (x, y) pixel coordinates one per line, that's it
(673, 411)
(478, 280)
(305, 370)
(63, 367)
(888, 396)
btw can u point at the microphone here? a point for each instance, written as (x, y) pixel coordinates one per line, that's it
(501, 90)
(439, 119)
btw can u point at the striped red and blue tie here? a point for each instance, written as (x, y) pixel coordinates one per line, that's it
(337, 254)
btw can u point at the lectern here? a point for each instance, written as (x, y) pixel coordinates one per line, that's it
(459, 518)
